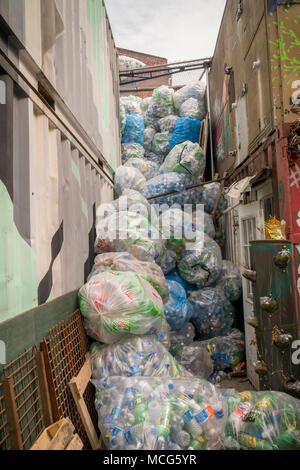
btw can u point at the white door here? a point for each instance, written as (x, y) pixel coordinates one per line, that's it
(252, 216)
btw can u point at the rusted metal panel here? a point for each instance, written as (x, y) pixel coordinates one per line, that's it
(280, 284)
(260, 44)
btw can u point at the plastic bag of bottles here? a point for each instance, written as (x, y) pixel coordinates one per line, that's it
(194, 90)
(262, 421)
(226, 351)
(163, 334)
(165, 183)
(124, 261)
(151, 118)
(178, 311)
(149, 134)
(128, 63)
(162, 101)
(158, 159)
(132, 150)
(174, 276)
(144, 413)
(231, 281)
(114, 304)
(172, 226)
(201, 265)
(134, 129)
(187, 158)
(167, 123)
(122, 118)
(131, 232)
(128, 178)
(186, 128)
(161, 143)
(213, 313)
(182, 337)
(196, 360)
(192, 108)
(132, 104)
(146, 167)
(139, 355)
(145, 103)
(209, 227)
(208, 197)
(167, 259)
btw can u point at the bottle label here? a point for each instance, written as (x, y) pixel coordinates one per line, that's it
(242, 409)
(204, 415)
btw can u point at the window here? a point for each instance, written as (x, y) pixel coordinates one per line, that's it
(268, 207)
(249, 234)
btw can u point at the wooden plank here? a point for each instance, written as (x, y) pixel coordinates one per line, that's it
(85, 416)
(75, 443)
(56, 437)
(12, 416)
(204, 148)
(84, 376)
(218, 197)
(45, 397)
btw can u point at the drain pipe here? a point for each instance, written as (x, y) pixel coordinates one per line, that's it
(210, 131)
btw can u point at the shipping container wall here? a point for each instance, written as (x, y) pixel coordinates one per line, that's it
(255, 76)
(59, 143)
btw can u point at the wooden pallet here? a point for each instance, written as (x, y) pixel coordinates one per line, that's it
(58, 436)
(78, 385)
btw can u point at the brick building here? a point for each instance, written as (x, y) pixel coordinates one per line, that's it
(144, 88)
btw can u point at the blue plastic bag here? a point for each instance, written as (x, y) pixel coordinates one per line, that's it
(134, 129)
(178, 311)
(186, 128)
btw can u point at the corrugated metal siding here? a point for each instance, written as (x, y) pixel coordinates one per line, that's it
(50, 182)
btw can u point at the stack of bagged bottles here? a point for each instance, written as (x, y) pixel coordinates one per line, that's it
(150, 292)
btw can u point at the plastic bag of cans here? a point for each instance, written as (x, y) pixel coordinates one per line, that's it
(213, 313)
(121, 262)
(262, 421)
(178, 311)
(165, 183)
(159, 413)
(131, 232)
(194, 90)
(226, 352)
(187, 158)
(182, 337)
(132, 150)
(201, 264)
(115, 304)
(146, 167)
(167, 123)
(134, 129)
(140, 355)
(195, 360)
(231, 281)
(149, 134)
(192, 108)
(161, 143)
(128, 178)
(162, 101)
(186, 128)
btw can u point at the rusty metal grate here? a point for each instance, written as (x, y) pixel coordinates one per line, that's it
(22, 418)
(64, 350)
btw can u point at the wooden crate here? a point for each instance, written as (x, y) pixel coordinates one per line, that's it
(58, 436)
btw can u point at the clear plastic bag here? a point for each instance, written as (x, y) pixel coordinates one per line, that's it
(139, 355)
(227, 352)
(187, 158)
(231, 281)
(148, 270)
(115, 304)
(167, 259)
(149, 134)
(186, 128)
(167, 123)
(151, 117)
(144, 413)
(146, 167)
(162, 101)
(131, 232)
(128, 178)
(128, 63)
(158, 159)
(145, 103)
(208, 197)
(178, 311)
(132, 150)
(194, 90)
(165, 183)
(161, 143)
(122, 118)
(201, 265)
(213, 313)
(196, 360)
(182, 337)
(192, 108)
(262, 421)
(134, 129)
(132, 104)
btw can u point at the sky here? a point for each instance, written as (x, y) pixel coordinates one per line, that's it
(175, 29)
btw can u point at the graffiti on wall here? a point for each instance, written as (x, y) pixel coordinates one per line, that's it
(273, 4)
(222, 131)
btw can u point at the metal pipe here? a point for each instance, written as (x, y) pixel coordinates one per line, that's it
(151, 67)
(187, 188)
(210, 127)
